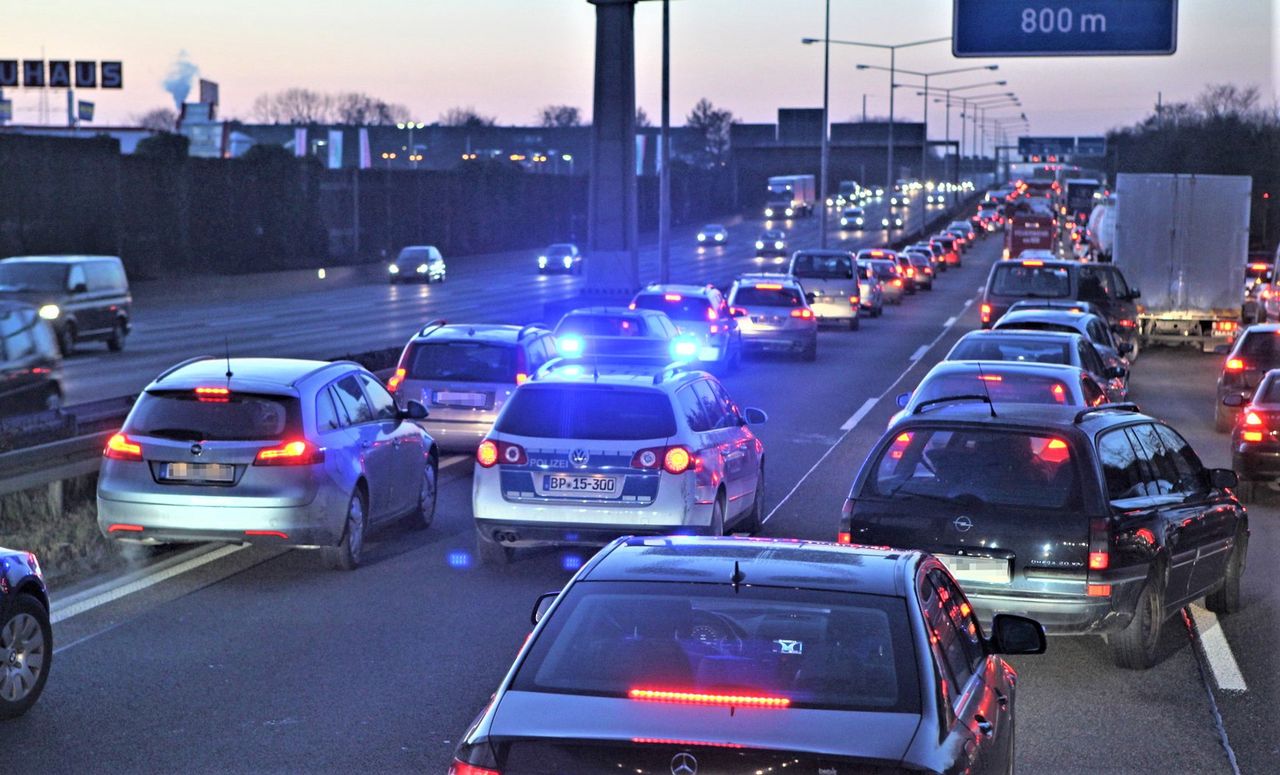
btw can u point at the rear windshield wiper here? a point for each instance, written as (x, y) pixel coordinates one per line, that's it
(920, 407)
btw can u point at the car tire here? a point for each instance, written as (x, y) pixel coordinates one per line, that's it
(350, 550)
(25, 626)
(855, 323)
(67, 339)
(1134, 647)
(810, 352)
(1221, 420)
(1246, 490)
(754, 519)
(716, 528)
(428, 494)
(115, 342)
(1226, 598)
(492, 553)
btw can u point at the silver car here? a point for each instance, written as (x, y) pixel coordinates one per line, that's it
(870, 289)
(417, 264)
(774, 315)
(464, 374)
(267, 450)
(830, 284)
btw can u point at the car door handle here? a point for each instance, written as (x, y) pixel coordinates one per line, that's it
(1002, 699)
(985, 727)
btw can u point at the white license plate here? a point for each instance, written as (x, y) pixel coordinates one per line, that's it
(591, 486)
(453, 398)
(200, 472)
(988, 570)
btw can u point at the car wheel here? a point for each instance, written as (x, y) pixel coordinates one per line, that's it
(53, 401)
(1221, 420)
(1134, 647)
(754, 520)
(428, 491)
(1226, 598)
(855, 323)
(717, 516)
(26, 653)
(67, 339)
(1246, 490)
(810, 352)
(347, 554)
(491, 552)
(115, 343)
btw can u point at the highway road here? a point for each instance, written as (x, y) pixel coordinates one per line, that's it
(262, 660)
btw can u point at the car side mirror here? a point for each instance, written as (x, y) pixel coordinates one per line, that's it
(414, 410)
(904, 399)
(1233, 400)
(541, 606)
(79, 288)
(1115, 372)
(1223, 479)
(811, 297)
(1011, 634)
(755, 416)
(1134, 293)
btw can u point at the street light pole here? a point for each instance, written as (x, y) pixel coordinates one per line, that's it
(893, 64)
(664, 153)
(924, 142)
(826, 140)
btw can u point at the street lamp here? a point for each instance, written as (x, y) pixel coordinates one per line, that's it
(975, 100)
(924, 145)
(893, 61)
(947, 92)
(411, 125)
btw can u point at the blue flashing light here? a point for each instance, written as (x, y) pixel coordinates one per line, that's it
(571, 562)
(459, 558)
(571, 536)
(570, 346)
(684, 348)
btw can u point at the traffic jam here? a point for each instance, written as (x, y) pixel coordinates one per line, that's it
(1017, 492)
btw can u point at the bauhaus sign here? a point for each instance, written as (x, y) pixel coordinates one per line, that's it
(61, 74)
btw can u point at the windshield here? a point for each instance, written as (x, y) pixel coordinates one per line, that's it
(1018, 279)
(414, 256)
(978, 467)
(27, 276)
(594, 413)
(1011, 348)
(559, 251)
(822, 266)
(677, 306)
(461, 362)
(180, 414)
(1259, 350)
(757, 296)
(811, 649)
(999, 386)
(603, 325)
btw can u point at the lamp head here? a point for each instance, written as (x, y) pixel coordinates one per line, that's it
(808, 41)
(863, 67)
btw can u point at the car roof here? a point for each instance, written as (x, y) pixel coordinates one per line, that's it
(612, 311)
(683, 289)
(1020, 333)
(1061, 370)
(1041, 417)
(1262, 328)
(617, 373)
(773, 562)
(1064, 316)
(251, 374)
(824, 252)
(1049, 262)
(59, 259)
(491, 333)
(767, 277)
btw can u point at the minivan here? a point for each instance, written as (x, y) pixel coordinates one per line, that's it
(85, 298)
(830, 284)
(1100, 284)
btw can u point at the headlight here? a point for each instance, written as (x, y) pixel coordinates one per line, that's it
(701, 237)
(568, 261)
(542, 261)
(422, 268)
(719, 238)
(778, 245)
(768, 212)
(858, 220)
(759, 245)
(884, 221)
(393, 269)
(790, 212)
(844, 221)
(50, 312)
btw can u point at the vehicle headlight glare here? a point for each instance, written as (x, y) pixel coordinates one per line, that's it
(393, 269)
(422, 268)
(50, 312)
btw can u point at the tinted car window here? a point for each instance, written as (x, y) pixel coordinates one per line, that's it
(1093, 394)
(1095, 284)
(1261, 348)
(347, 391)
(822, 266)
(1191, 474)
(1017, 279)
(1120, 466)
(695, 415)
(755, 296)
(603, 325)
(586, 412)
(712, 407)
(1010, 348)
(957, 631)
(1161, 472)
(995, 467)
(729, 410)
(76, 277)
(816, 649)
(326, 414)
(23, 276)
(677, 306)
(1007, 388)
(885, 269)
(101, 276)
(384, 406)
(17, 338)
(461, 361)
(180, 414)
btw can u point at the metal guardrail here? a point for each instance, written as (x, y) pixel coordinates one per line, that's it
(37, 466)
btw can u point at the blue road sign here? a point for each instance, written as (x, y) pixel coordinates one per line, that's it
(1046, 146)
(1055, 28)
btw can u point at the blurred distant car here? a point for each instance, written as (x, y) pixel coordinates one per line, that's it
(1042, 347)
(274, 451)
(853, 219)
(950, 246)
(1255, 352)
(30, 365)
(26, 635)
(84, 298)
(700, 311)
(772, 243)
(892, 221)
(774, 315)
(921, 260)
(885, 264)
(417, 264)
(899, 199)
(830, 284)
(935, 198)
(560, 257)
(620, 332)
(713, 234)
(870, 289)
(1040, 253)
(1001, 382)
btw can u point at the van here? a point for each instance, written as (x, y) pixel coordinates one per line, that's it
(1042, 279)
(830, 284)
(84, 298)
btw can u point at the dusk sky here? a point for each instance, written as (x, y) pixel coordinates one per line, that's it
(508, 58)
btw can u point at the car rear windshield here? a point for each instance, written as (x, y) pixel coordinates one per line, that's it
(999, 386)
(1018, 279)
(1011, 348)
(600, 413)
(461, 362)
(811, 649)
(30, 276)
(885, 268)
(977, 468)
(756, 296)
(1260, 349)
(182, 414)
(822, 267)
(677, 306)
(603, 325)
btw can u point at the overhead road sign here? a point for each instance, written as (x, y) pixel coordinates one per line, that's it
(1056, 28)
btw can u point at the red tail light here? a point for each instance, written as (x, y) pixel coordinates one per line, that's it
(1251, 418)
(897, 282)
(703, 698)
(297, 452)
(487, 453)
(671, 297)
(491, 452)
(985, 311)
(1235, 364)
(712, 315)
(1099, 560)
(121, 447)
(844, 538)
(123, 528)
(521, 378)
(268, 534)
(803, 314)
(462, 768)
(394, 383)
(1127, 323)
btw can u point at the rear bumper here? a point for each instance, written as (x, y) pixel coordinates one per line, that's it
(777, 341)
(526, 534)
(1256, 461)
(1064, 614)
(457, 436)
(828, 311)
(306, 525)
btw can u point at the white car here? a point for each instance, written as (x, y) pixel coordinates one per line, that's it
(853, 219)
(587, 452)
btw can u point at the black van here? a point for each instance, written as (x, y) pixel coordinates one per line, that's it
(1014, 280)
(86, 298)
(30, 369)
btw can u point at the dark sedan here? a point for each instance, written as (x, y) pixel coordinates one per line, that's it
(26, 636)
(719, 655)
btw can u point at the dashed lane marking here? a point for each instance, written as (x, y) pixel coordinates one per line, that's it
(920, 351)
(951, 321)
(1217, 652)
(853, 421)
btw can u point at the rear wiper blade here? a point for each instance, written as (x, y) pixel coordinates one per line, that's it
(920, 407)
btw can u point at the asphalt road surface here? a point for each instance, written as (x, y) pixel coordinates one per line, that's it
(263, 660)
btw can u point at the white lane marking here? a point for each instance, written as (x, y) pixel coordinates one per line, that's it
(451, 462)
(981, 288)
(851, 424)
(115, 591)
(1226, 672)
(950, 322)
(920, 351)
(967, 303)
(853, 421)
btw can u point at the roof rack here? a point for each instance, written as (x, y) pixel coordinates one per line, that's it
(1125, 406)
(184, 364)
(532, 328)
(432, 326)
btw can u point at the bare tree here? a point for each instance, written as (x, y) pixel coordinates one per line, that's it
(1224, 99)
(559, 115)
(362, 109)
(712, 124)
(157, 120)
(467, 116)
(642, 118)
(294, 106)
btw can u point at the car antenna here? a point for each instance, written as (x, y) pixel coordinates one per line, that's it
(226, 344)
(983, 379)
(738, 576)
